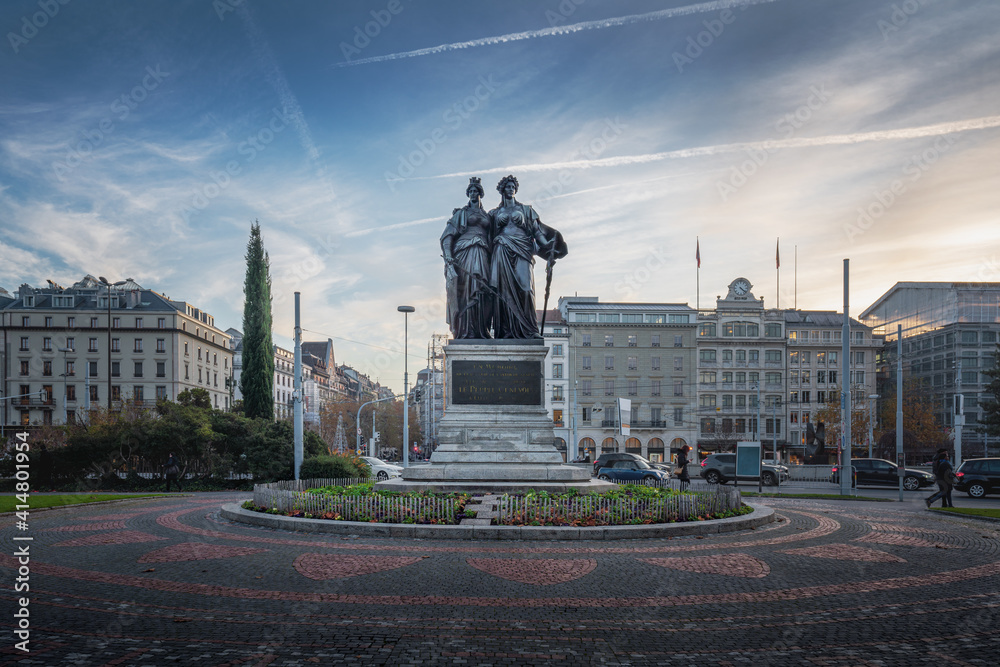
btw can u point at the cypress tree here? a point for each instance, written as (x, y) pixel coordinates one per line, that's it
(257, 378)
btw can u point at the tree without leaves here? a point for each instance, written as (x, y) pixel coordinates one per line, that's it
(257, 378)
(919, 420)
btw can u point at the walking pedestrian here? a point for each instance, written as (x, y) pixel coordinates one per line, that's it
(944, 475)
(682, 467)
(172, 471)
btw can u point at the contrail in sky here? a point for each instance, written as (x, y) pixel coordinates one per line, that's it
(938, 129)
(715, 6)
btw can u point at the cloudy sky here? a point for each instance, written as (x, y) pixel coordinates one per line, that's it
(141, 139)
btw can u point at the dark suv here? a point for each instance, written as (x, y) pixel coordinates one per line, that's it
(882, 472)
(720, 468)
(605, 459)
(977, 477)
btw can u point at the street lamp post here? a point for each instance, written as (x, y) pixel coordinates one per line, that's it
(406, 310)
(65, 372)
(104, 281)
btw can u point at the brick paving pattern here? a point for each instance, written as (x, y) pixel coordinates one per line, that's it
(830, 583)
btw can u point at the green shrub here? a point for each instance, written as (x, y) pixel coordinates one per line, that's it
(333, 467)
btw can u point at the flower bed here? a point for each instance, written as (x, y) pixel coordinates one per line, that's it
(627, 505)
(357, 500)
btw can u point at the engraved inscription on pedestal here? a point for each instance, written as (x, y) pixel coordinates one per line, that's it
(496, 383)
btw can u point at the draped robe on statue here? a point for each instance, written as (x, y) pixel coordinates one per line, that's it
(470, 304)
(518, 235)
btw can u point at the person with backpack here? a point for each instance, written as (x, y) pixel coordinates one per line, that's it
(682, 467)
(944, 474)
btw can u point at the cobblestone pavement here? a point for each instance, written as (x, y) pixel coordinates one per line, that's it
(832, 583)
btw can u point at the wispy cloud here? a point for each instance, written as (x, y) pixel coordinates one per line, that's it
(700, 8)
(938, 129)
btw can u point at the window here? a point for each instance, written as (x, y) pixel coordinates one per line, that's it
(727, 355)
(706, 330)
(25, 367)
(70, 368)
(754, 356)
(116, 323)
(557, 417)
(654, 363)
(740, 330)
(70, 322)
(161, 323)
(92, 369)
(48, 322)
(215, 379)
(655, 319)
(706, 401)
(678, 363)
(821, 396)
(655, 388)
(93, 345)
(707, 425)
(138, 369)
(71, 392)
(678, 387)
(116, 392)
(806, 357)
(707, 356)
(833, 377)
(679, 340)
(199, 353)
(772, 331)
(557, 371)
(557, 393)
(25, 320)
(741, 401)
(634, 415)
(94, 393)
(586, 415)
(754, 377)
(633, 363)
(633, 387)
(557, 350)
(585, 387)
(655, 416)
(609, 340)
(609, 318)
(821, 358)
(633, 340)
(586, 340)
(116, 369)
(93, 322)
(772, 378)
(116, 345)
(821, 377)
(137, 347)
(161, 369)
(161, 345)
(46, 344)
(775, 355)
(832, 359)
(631, 319)
(609, 387)
(609, 362)
(161, 393)
(46, 368)
(137, 393)
(678, 416)
(727, 400)
(71, 344)
(741, 355)
(706, 376)
(138, 323)
(654, 340)
(741, 377)
(199, 376)
(585, 363)
(772, 426)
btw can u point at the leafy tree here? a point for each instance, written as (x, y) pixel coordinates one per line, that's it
(990, 423)
(257, 378)
(829, 414)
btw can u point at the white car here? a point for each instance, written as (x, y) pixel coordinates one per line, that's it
(381, 470)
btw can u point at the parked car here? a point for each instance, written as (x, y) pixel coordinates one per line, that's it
(977, 477)
(604, 461)
(631, 471)
(382, 470)
(720, 468)
(886, 473)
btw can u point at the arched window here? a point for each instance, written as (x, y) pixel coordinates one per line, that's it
(609, 445)
(587, 445)
(633, 446)
(655, 449)
(560, 444)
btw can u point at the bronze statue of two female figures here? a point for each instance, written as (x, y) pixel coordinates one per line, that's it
(489, 259)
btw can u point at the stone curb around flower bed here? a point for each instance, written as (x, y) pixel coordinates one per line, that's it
(761, 515)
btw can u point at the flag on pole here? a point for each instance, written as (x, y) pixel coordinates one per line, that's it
(777, 255)
(697, 251)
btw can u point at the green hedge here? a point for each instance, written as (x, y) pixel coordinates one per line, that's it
(333, 467)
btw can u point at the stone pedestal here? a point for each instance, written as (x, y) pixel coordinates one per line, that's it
(495, 434)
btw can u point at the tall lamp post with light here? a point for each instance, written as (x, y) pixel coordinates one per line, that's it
(406, 310)
(104, 281)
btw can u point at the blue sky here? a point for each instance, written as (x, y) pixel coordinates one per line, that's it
(141, 139)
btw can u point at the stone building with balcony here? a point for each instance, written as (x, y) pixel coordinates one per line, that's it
(557, 378)
(88, 345)
(644, 352)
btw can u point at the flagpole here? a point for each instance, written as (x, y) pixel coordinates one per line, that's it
(795, 272)
(777, 270)
(697, 279)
